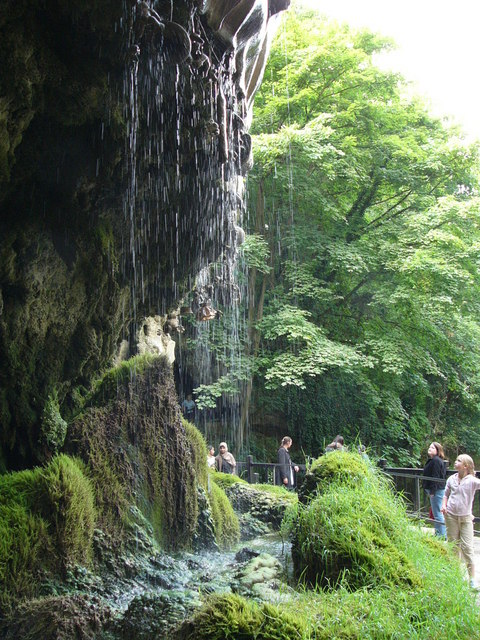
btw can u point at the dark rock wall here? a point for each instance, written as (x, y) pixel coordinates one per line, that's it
(123, 135)
(60, 285)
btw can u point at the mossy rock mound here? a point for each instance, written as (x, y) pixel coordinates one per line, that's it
(338, 466)
(47, 519)
(263, 503)
(231, 616)
(56, 618)
(152, 616)
(138, 450)
(354, 531)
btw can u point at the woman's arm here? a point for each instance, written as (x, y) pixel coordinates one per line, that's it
(443, 508)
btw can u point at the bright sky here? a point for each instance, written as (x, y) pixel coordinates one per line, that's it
(438, 48)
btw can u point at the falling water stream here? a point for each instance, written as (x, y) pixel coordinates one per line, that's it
(183, 203)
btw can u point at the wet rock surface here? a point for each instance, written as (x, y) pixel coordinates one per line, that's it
(258, 506)
(144, 593)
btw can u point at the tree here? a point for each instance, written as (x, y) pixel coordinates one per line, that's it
(369, 207)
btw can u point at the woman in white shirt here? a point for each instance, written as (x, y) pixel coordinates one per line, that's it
(457, 509)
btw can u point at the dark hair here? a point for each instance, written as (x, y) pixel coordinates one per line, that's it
(439, 448)
(286, 440)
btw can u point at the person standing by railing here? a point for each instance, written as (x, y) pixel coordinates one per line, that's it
(457, 509)
(434, 484)
(285, 467)
(225, 462)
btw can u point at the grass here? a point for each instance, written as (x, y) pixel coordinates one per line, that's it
(366, 573)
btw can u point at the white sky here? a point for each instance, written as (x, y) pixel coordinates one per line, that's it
(438, 48)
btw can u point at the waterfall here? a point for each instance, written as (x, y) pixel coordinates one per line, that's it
(189, 81)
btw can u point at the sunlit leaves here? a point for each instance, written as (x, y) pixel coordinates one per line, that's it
(256, 253)
(300, 349)
(372, 212)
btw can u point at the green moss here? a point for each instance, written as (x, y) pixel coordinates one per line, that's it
(231, 617)
(53, 427)
(277, 492)
(139, 453)
(106, 388)
(340, 466)
(198, 452)
(24, 543)
(227, 528)
(66, 500)
(46, 522)
(225, 480)
(55, 618)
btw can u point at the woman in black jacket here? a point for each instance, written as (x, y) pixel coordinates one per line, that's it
(434, 484)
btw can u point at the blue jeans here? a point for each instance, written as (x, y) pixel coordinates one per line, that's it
(436, 504)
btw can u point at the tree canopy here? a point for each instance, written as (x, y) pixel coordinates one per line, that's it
(367, 304)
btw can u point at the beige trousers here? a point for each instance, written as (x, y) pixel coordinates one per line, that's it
(460, 531)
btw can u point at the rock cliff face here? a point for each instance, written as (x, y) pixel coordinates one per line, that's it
(123, 142)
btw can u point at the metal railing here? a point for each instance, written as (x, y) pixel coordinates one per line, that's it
(265, 472)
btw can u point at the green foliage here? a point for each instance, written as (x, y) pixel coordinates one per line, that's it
(309, 353)
(372, 207)
(226, 367)
(256, 253)
(227, 528)
(53, 428)
(47, 516)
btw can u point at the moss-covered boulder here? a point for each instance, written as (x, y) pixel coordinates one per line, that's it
(233, 617)
(56, 618)
(155, 615)
(352, 529)
(264, 503)
(338, 466)
(137, 448)
(47, 519)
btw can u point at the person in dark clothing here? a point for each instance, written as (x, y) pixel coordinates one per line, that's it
(435, 473)
(285, 467)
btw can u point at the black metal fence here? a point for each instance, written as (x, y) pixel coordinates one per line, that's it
(265, 472)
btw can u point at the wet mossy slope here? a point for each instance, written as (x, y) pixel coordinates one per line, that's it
(133, 439)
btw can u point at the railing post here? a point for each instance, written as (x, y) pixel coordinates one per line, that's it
(417, 494)
(250, 469)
